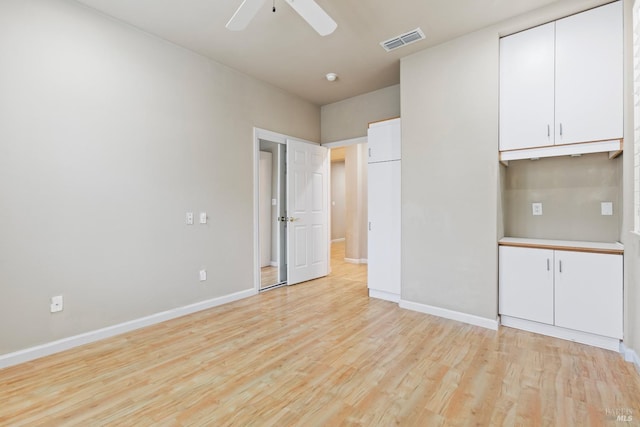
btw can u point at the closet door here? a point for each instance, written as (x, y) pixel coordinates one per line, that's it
(527, 88)
(589, 73)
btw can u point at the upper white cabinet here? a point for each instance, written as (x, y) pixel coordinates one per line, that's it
(527, 88)
(384, 141)
(561, 83)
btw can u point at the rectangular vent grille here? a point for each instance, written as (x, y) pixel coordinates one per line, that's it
(403, 40)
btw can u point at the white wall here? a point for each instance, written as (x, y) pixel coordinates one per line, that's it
(107, 137)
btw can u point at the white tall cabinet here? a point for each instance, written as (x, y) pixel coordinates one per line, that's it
(384, 168)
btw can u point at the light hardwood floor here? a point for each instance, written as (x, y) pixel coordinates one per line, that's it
(321, 353)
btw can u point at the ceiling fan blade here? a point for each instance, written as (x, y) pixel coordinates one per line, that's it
(314, 15)
(244, 14)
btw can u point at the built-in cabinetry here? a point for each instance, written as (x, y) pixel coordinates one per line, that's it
(562, 84)
(570, 290)
(384, 210)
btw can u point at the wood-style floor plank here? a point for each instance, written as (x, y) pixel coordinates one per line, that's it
(321, 353)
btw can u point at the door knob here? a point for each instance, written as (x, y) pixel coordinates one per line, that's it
(292, 219)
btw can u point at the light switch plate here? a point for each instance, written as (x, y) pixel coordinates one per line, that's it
(203, 217)
(203, 275)
(189, 218)
(536, 208)
(606, 208)
(56, 304)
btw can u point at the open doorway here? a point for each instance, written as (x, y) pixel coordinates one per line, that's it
(349, 212)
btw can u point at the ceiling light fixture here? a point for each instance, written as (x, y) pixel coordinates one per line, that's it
(331, 77)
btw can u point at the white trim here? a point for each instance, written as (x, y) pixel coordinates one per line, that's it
(387, 296)
(346, 142)
(341, 239)
(47, 349)
(614, 145)
(607, 343)
(630, 355)
(450, 314)
(356, 261)
(274, 264)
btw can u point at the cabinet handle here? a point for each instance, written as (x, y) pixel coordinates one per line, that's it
(548, 264)
(369, 225)
(548, 131)
(369, 152)
(560, 265)
(560, 129)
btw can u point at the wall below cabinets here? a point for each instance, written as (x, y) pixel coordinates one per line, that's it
(571, 190)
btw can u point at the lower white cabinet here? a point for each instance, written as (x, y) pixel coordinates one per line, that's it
(384, 230)
(567, 290)
(588, 292)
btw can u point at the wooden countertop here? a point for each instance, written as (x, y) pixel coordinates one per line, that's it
(616, 248)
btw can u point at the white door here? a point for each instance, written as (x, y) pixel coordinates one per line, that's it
(588, 292)
(589, 75)
(527, 88)
(526, 283)
(307, 212)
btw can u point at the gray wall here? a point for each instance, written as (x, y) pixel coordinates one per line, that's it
(450, 175)
(570, 190)
(107, 137)
(356, 197)
(350, 118)
(631, 241)
(338, 201)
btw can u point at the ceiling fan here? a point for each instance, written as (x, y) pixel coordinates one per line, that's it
(308, 9)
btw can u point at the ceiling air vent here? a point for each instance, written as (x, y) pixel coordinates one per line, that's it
(403, 40)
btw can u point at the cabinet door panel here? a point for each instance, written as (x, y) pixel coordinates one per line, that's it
(588, 292)
(384, 226)
(384, 141)
(527, 88)
(589, 74)
(526, 283)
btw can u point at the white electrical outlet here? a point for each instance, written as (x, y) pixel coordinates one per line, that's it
(203, 217)
(536, 208)
(189, 218)
(203, 275)
(56, 304)
(606, 208)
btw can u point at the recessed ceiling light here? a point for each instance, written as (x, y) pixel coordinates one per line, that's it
(331, 77)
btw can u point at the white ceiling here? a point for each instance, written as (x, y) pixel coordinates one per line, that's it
(282, 49)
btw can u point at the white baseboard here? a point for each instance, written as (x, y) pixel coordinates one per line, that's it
(562, 333)
(450, 314)
(630, 355)
(47, 349)
(388, 296)
(356, 261)
(341, 239)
